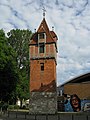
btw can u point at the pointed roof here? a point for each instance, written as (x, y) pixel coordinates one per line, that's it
(43, 25)
(50, 35)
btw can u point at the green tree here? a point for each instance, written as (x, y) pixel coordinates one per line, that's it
(19, 40)
(8, 70)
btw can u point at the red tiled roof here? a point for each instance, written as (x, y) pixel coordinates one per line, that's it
(54, 35)
(50, 35)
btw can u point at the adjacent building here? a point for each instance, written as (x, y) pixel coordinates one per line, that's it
(79, 85)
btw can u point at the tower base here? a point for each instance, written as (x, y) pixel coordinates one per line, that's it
(43, 103)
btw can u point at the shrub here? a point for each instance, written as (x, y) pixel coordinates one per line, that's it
(3, 105)
(11, 107)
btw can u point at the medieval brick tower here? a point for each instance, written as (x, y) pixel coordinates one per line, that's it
(43, 51)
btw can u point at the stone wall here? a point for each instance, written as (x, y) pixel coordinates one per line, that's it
(43, 102)
(18, 115)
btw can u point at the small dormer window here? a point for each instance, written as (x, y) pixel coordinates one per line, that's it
(41, 48)
(42, 36)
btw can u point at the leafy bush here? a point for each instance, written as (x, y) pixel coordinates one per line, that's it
(12, 107)
(3, 105)
(16, 107)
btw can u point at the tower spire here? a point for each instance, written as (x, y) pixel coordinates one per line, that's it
(44, 12)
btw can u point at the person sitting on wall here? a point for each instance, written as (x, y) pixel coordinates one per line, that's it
(75, 103)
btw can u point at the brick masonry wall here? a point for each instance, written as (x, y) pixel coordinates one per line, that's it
(43, 80)
(81, 89)
(43, 103)
(50, 50)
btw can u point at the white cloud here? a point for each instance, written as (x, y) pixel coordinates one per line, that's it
(71, 20)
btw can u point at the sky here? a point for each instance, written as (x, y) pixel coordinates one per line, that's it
(71, 21)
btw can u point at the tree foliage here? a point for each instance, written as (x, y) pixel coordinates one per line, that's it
(8, 70)
(19, 40)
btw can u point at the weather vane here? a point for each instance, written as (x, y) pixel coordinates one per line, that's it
(44, 12)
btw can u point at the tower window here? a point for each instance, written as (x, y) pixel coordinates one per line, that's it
(41, 36)
(41, 48)
(42, 66)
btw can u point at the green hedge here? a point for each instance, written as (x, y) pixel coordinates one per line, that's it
(10, 107)
(4, 106)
